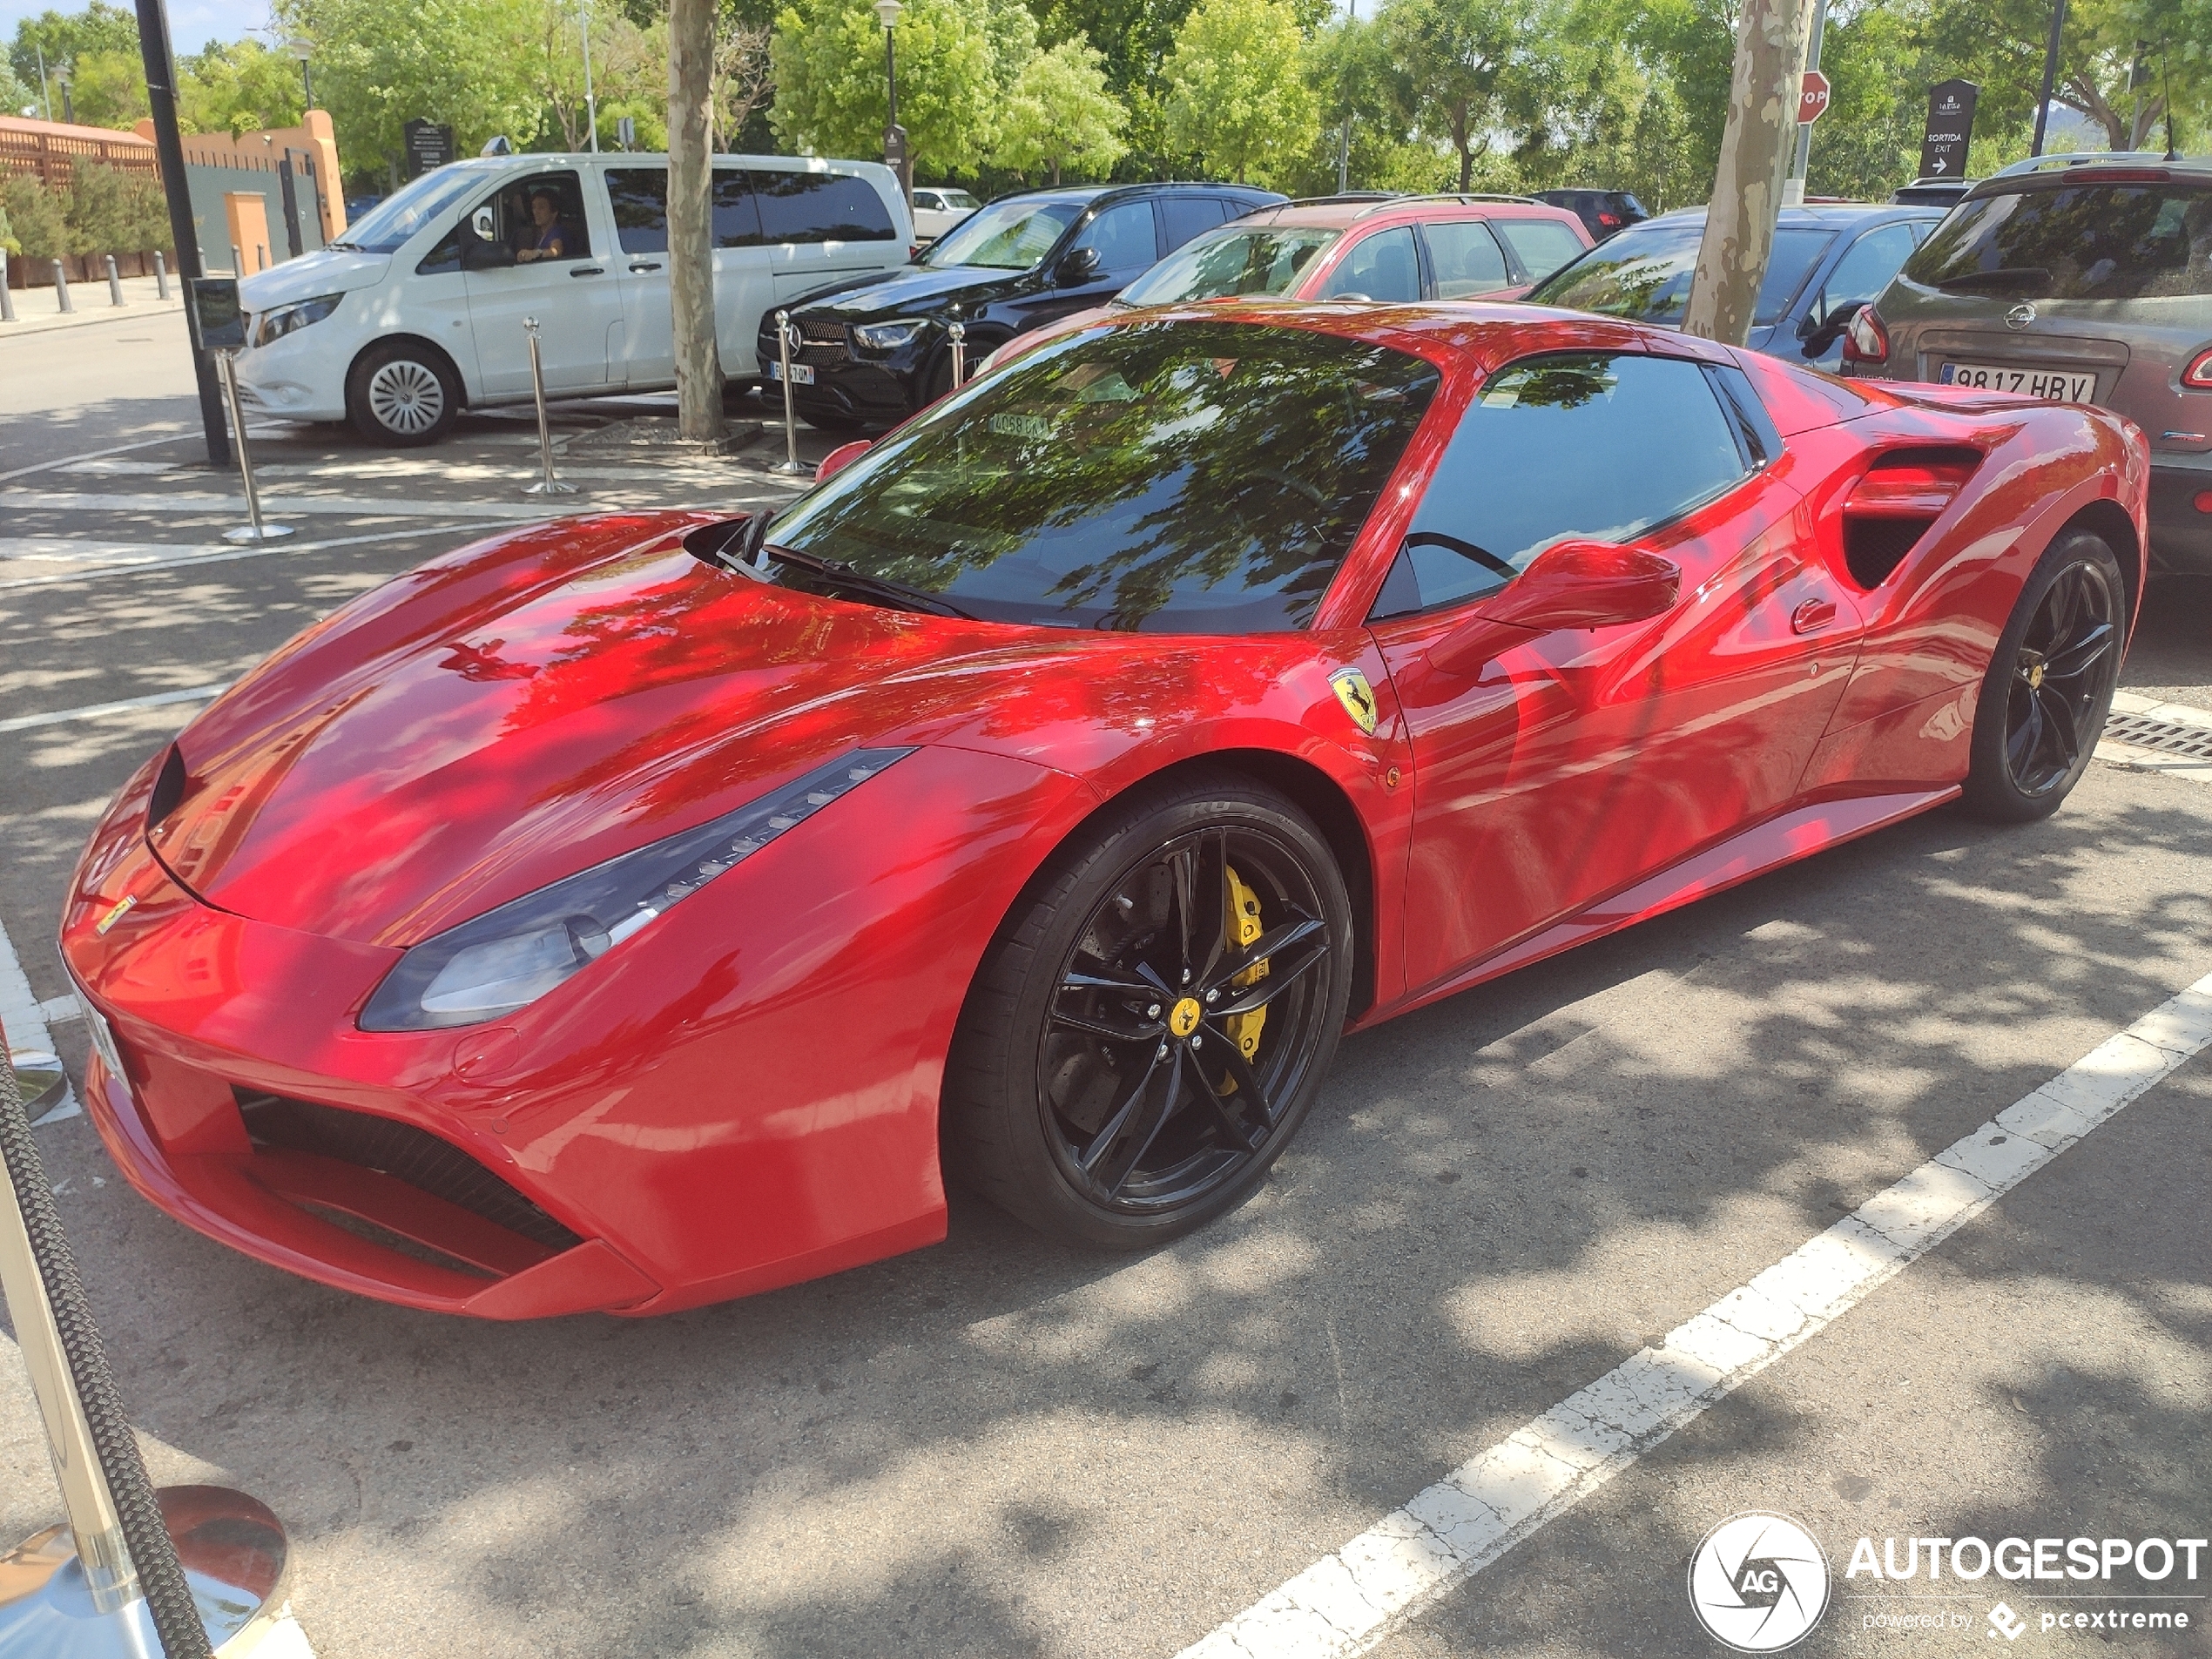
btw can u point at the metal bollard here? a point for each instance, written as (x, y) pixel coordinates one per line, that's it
(238, 261)
(958, 333)
(257, 531)
(114, 282)
(160, 275)
(548, 485)
(112, 1578)
(7, 300)
(791, 465)
(61, 287)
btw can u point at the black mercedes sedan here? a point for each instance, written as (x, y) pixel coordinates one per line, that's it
(871, 351)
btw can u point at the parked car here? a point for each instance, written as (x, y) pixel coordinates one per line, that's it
(871, 351)
(1602, 212)
(1933, 192)
(2085, 277)
(417, 311)
(639, 911)
(938, 208)
(1395, 248)
(1825, 262)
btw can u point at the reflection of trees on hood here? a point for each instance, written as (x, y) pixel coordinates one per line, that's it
(1157, 459)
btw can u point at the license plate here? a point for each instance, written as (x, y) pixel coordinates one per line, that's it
(2056, 383)
(801, 374)
(104, 1043)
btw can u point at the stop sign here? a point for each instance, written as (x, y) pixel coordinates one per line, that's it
(1813, 101)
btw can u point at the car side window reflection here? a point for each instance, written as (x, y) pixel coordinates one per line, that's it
(1567, 445)
(1383, 266)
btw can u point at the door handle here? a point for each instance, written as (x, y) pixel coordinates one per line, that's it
(1813, 615)
(589, 270)
(653, 264)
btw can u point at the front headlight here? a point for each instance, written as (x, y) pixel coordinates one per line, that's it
(275, 325)
(507, 958)
(888, 336)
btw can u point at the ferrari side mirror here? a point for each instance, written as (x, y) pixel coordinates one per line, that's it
(841, 457)
(1570, 584)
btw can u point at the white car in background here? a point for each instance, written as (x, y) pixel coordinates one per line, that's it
(938, 209)
(417, 311)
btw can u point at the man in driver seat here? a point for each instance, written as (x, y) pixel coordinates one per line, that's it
(544, 237)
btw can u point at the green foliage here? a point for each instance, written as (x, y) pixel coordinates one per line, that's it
(9, 245)
(1060, 115)
(15, 97)
(830, 92)
(35, 218)
(113, 212)
(65, 37)
(1478, 72)
(107, 88)
(1237, 97)
(242, 87)
(469, 64)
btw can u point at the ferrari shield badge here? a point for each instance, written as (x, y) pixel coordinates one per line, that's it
(1357, 695)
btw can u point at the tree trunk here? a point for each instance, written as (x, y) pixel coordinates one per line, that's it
(1755, 156)
(691, 242)
(1056, 172)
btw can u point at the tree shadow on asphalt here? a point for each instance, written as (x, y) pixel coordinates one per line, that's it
(999, 1445)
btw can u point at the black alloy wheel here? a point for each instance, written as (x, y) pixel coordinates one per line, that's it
(1148, 1036)
(2050, 683)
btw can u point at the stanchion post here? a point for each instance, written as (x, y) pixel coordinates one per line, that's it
(125, 1592)
(160, 276)
(958, 333)
(548, 485)
(114, 282)
(790, 466)
(61, 287)
(7, 300)
(238, 261)
(225, 363)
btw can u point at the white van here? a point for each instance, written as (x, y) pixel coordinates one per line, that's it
(417, 311)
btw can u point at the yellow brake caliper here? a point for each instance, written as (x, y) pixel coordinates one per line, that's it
(1241, 929)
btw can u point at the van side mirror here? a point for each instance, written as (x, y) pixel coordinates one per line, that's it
(1570, 584)
(1076, 266)
(840, 458)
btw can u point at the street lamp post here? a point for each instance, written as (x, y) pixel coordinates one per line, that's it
(303, 50)
(590, 104)
(895, 136)
(61, 78)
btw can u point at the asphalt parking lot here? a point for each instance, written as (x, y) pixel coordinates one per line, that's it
(999, 1446)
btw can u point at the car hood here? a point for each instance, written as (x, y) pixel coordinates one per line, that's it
(907, 290)
(327, 270)
(509, 715)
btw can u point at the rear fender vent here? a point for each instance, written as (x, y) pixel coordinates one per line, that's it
(168, 789)
(402, 1151)
(1890, 509)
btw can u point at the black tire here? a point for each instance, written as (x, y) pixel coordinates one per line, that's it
(1078, 1108)
(403, 395)
(2050, 683)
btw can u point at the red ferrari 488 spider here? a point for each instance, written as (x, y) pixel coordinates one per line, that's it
(637, 911)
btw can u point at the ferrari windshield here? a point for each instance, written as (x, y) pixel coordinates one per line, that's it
(1006, 236)
(1259, 260)
(1172, 478)
(1643, 273)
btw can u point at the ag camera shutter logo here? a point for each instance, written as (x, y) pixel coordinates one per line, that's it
(1758, 1583)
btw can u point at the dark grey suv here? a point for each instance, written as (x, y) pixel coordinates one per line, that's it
(2085, 279)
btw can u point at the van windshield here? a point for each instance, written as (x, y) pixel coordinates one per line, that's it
(393, 222)
(2094, 241)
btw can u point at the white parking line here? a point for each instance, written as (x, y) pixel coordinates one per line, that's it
(1348, 1602)
(24, 1018)
(93, 711)
(94, 454)
(220, 554)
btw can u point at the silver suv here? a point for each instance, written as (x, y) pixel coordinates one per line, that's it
(2085, 278)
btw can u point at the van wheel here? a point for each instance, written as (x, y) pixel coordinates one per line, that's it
(402, 394)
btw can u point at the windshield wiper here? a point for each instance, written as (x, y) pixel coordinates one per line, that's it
(838, 574)
(350, 248)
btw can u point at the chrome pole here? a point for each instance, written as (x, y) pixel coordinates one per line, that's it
(790, 465)
(958, 333)
(258, 530)
(549, 485)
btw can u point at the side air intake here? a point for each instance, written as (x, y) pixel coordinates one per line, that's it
(1890, 509)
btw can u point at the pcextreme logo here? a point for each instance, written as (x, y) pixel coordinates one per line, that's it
(1758, 1583)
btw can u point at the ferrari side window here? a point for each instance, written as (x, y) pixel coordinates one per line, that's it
(1577, 444)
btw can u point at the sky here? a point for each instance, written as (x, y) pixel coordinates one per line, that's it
(193, 23)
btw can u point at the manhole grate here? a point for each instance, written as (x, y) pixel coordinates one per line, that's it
(2194, 741)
